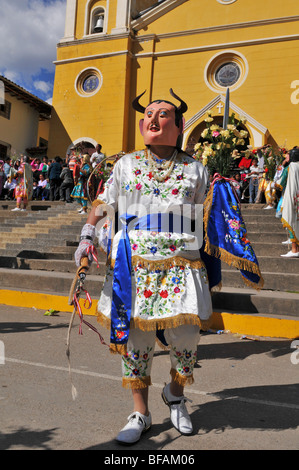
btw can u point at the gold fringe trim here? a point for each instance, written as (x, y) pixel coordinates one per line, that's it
(205, 324)
(160, 324)
(152, 325)
(217, 288)
(285, 224)
(228, 258)
(164, 263)
(97, 202)
(181, 379)
(136, 384)
(118, 349)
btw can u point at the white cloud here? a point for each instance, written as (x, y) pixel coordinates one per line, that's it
(43, 86)
(29, 33)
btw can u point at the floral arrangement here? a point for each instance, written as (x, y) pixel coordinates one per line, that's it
(220, 149)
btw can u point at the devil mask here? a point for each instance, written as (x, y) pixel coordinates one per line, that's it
(163, 121)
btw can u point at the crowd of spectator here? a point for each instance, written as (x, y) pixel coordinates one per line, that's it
(52, 179)
(254, 173)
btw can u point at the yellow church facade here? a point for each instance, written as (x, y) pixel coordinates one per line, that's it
(113, 50)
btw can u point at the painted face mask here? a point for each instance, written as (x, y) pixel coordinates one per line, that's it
(158, 126)
(163, 121)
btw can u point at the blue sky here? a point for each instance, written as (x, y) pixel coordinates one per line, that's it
(29, 33)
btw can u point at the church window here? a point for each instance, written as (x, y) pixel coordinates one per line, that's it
(226, 69)
(88, 82)
(227, 74)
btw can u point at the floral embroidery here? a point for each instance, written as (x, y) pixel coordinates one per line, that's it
(156, 290)
(149, 243)
(119, 331)
(147, 293)
(236, 232)
(164, 294)
(142, 180)
(186, 361)
(135, 363)
(204, 275)
(234, 224)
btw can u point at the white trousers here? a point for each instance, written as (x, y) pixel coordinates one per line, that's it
(137, 363)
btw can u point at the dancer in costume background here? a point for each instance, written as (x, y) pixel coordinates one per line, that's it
(24, 188)
(290, 204)
(80, 190)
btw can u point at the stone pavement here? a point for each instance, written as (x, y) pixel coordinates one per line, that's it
(245, 394)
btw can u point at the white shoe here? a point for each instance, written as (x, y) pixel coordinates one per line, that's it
(137, 424)
(15, 209)
(23, 210)
(179, 415)
(291, 254)
(287, 242)
(269, 207)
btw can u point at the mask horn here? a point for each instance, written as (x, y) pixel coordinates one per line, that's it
(136, 105)
(183, 106)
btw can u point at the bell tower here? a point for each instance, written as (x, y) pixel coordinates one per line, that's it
(111, 16)
(92, 77)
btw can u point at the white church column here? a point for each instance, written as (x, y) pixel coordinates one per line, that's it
(70, 21)
(122, 16)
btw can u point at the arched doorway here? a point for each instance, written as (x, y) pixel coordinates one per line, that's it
(82, 145)
(257, 133)
(196, 137)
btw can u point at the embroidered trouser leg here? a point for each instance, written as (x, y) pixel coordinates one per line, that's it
(183, 353)
(137, 363)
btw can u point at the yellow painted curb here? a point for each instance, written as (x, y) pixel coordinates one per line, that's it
(42, 301)
(254, 325)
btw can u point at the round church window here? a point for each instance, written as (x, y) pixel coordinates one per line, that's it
(226, 69)
(227, 74)
(88, 82)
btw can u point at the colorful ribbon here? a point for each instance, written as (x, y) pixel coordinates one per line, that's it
(88, 302)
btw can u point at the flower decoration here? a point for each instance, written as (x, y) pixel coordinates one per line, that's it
(220, 149)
